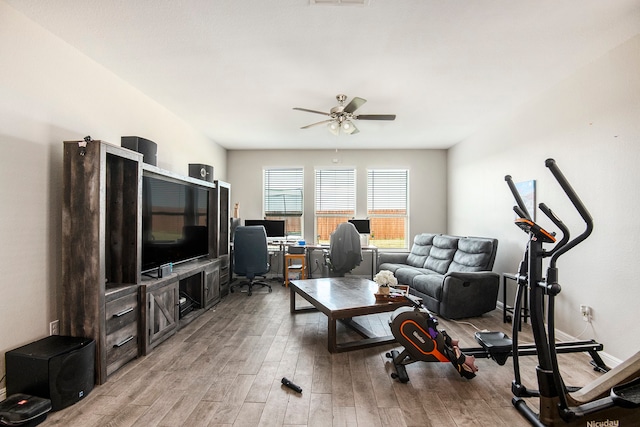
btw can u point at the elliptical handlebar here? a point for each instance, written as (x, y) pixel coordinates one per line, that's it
(577, 203)
(521, 209)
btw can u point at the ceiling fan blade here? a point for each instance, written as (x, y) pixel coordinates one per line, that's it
(354, 104)
(376, 117)
(316, 124)
(312, 111)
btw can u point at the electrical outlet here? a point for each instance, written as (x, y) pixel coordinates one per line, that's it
(54, 327)
(585, 310)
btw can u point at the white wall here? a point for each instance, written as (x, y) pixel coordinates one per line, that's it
(590, 124)
(49, 92)
(427, 181)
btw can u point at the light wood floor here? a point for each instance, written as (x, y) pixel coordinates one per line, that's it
(225, 369)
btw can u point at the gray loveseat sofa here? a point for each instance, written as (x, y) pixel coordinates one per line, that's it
(451, 274)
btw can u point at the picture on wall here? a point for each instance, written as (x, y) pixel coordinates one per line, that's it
(527, 190)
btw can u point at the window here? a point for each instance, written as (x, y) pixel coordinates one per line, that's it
(387, 196)
(283, 189)
(335, 200)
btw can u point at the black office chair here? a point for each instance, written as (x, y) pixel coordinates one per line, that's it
(345, 250)
(250, 256)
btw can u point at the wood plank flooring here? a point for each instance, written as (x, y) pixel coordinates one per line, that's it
(224, 369)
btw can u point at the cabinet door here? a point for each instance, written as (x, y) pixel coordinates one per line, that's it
(212, 286)
(163, 313)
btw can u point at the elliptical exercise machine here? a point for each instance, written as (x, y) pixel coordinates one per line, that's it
(611, 400)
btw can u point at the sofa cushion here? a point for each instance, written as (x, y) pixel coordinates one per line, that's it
(429, 284)
(422, 244)
(391, 266)
(406, 275)
(441, 254)
(473, 254)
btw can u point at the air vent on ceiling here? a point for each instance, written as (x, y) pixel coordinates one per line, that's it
(340, 2)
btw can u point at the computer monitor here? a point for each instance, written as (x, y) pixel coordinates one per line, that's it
(274, 228)
(362, 225)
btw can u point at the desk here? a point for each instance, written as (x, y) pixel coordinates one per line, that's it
(373, 250)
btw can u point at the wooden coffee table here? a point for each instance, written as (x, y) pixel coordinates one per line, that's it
(342, 298)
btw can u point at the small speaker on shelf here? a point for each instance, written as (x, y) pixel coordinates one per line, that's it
(147, 148)
(200, 171)
(59, 368)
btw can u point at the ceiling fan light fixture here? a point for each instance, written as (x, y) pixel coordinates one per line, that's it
(348, 127)
(334, 128)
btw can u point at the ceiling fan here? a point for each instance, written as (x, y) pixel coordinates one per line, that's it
(342, 116)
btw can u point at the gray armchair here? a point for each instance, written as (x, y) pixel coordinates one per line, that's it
(250, 256)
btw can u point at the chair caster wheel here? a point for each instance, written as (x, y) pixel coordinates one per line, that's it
(394, 376)
(270, 290)
(248, 294)
(231, 290)
(389, 355)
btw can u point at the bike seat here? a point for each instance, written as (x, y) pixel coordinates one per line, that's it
(498, 344)
(494, 341)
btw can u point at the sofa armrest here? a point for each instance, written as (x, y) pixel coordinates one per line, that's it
(392, 257)
(469, 294)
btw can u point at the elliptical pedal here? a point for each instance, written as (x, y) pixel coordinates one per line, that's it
(627, 395)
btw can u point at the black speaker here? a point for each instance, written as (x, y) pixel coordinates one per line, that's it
(58, 368)
(148, 148)
(204, 172)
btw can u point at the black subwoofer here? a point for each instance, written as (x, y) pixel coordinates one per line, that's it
(58, 368)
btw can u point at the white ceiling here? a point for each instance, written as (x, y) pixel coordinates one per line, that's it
(235, 68)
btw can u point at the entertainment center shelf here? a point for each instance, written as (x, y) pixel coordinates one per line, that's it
(106, 223)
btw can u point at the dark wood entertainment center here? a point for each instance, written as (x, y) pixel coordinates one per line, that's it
(104, 294)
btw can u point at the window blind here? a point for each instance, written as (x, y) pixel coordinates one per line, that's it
(387, 191)
(283, 189)
(335, 191)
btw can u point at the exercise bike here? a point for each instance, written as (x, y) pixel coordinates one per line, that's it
(611, 400)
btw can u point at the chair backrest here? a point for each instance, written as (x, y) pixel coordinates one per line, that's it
(345, 250)
(250, 252)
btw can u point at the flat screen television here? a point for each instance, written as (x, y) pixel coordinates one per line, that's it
(274, 228)
(174, 222)
(362, 225)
